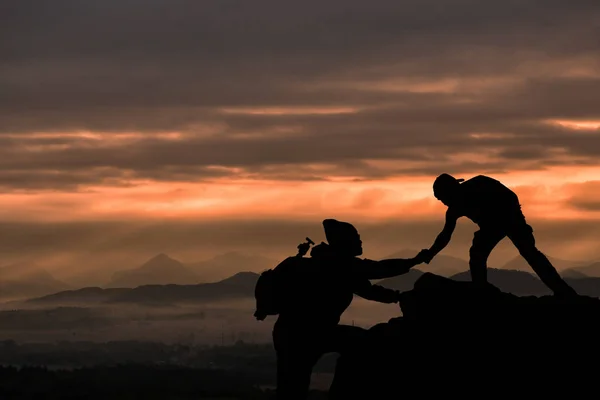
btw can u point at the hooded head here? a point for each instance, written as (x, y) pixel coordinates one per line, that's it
(342, 237)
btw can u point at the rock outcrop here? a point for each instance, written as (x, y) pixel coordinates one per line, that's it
(458, 339)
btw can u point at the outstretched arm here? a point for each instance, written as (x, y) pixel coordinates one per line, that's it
(371, 269)
(444, 237)
(376, 293)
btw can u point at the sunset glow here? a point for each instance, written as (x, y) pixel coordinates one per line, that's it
(255, 116)
(579, 125)
(291, 111)
(544, 194)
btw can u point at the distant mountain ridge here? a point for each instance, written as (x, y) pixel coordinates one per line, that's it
(22, 280)
(567, 268)
(89, 296)
(223, 265)
(520, 283)
(518, 263)
(240, 285)
(591, 270)
(164, 279)
(516, 282)
(159, 270)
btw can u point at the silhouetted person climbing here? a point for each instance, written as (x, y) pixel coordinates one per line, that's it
(315, 293)
(497, 211)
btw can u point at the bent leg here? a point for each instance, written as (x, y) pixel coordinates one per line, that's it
(293, 376)
(348, 342)
(484, 242)
(297, 354)
(524, 241)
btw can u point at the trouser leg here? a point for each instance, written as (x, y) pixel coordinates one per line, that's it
(523, 239)
(347, 341)
(484, 242)
(293, 376)
(297, 352)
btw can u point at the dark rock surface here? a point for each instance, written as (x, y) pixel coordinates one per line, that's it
(457, 339)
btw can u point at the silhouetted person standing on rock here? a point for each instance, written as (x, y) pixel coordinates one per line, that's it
(497, 211)
(316, 295)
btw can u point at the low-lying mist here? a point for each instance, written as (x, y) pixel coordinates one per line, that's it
(220, 322)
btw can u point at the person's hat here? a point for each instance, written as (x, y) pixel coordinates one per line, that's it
(445, 181)
(338, 231)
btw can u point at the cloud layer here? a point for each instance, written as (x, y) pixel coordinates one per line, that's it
(279, 114)
(113, 92)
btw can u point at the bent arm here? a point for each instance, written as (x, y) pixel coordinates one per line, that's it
(377, 293)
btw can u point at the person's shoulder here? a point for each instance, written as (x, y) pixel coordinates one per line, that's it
(480, 180)
(474, 180)
(478, 183)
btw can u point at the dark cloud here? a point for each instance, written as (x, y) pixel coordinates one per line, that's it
(586, 205)
(164, 66)
(584, 196)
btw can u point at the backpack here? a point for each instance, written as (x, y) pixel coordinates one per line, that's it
(267, 293)
(273, 285)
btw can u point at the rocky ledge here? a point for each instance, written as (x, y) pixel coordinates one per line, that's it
(458, 339)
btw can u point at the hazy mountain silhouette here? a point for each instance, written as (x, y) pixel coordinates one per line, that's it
(19, 269)
(403, 282)
(520, 283)
(224, 265)
(90, 278)
(443, 265)
(518, 263)
(241, 279)
(87, 296)
(159, 270)
(510, 281)
(586, 286)
(22, 280)
(574, 273)
(240, 285)
(591, 270)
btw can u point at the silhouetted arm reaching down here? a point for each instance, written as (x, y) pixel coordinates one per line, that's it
(444, 237)
(381, 294)
(372, 269)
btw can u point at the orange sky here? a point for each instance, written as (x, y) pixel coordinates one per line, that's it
(250, 113)
(544, 195)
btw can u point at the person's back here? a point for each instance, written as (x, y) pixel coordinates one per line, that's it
(486, 200)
